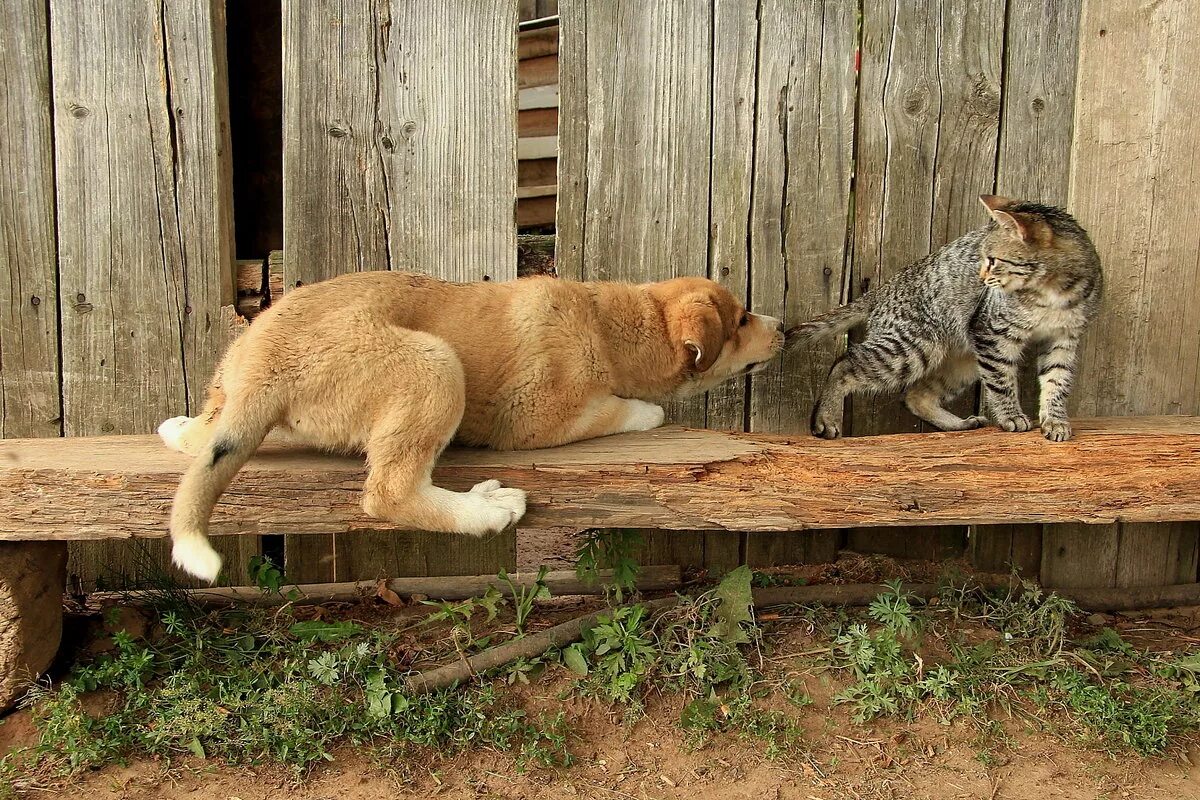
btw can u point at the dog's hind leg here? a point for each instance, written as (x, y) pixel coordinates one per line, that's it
(417, 422)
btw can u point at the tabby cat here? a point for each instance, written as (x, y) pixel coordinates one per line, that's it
(967, 312)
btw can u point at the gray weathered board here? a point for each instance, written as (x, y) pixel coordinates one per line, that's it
(1033, 161)
(399, 153)
(29, 374)
(1134, 168)
(144, 214)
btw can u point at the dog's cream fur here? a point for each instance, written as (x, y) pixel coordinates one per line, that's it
(398, 365)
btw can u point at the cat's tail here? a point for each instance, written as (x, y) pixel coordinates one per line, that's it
(837, 321)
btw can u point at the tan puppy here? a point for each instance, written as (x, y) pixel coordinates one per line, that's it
(398, 365)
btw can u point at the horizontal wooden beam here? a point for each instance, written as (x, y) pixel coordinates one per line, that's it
(1123, 469)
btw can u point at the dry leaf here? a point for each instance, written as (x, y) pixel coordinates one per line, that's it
(387, 595)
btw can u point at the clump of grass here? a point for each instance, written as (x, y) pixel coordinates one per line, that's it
(249, 687)
(1100, 688)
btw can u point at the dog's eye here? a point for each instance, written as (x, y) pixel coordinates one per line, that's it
(745, 319)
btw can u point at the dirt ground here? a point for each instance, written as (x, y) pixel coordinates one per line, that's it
(651, 757)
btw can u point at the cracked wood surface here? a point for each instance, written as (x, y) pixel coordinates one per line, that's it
(1121, 469)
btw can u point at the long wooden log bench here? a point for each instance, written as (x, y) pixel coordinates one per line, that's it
(1137, 469)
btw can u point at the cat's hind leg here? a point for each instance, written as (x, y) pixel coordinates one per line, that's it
(925, 398)
(877, 364)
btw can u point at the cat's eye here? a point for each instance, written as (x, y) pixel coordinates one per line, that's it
(991, 262)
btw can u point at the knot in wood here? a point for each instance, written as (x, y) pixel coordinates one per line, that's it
(408, 129)
(35, 301)
(985, 98)
(78, 111)
(339, 130)
(915, 100)
(1038, 105)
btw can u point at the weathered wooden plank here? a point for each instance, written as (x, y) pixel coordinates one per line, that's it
(400, 136)
(1033, 162)
(400, 125)
(144, 214)
(1121, 470)
(572, 138)
(734, 85)
(29, 372)
(1134, 169)
(803, 158)
(929, 110)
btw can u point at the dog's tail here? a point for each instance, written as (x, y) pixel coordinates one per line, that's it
(837, 321)
(237, 435)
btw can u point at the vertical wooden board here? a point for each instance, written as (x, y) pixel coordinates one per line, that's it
(649, 95)
(400, 138)
(369, 555)
(29, 373)
(144, 218)
(929, 109)
(798, 256)
(803, 150)
(572, 139)
(734, 79)
(1134, 168)
(1002, 548)
(1033, 162)
(1076, 556)
(399, 153)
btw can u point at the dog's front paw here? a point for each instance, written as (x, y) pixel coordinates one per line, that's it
(492, 509)
(1017, 423)
(1056, 430)
(643, 416)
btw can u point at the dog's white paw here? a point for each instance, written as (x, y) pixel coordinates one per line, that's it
(171, 432)
(485, 486)
(195, 556)
(643, 416)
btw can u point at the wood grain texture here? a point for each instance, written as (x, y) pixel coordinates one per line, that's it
(929, 110)
(572, 139)
(734, 86)
(1033, 162)
(1133, 172)
(145, 215)
(29, 373)
(797, 257)
(400, 136)
(1124, 470)
(399, 153)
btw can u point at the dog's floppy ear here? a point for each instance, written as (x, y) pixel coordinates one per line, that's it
(699, 326)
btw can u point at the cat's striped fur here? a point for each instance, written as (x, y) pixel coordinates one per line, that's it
(1030, 277)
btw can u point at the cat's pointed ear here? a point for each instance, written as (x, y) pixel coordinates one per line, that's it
(1018, 227)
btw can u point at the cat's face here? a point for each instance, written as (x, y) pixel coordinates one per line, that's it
(1018, 253)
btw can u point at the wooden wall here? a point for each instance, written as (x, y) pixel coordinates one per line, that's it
(799, 152)
(803, 152)
(132, 181)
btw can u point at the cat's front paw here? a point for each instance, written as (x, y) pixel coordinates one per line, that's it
(827, 426)
(1016, 423)
(1056, 430)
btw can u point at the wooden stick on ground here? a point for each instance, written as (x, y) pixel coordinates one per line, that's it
(526, 647)
(650, 579)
